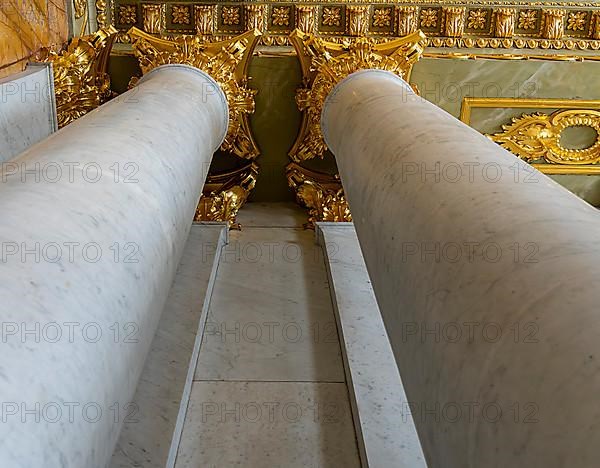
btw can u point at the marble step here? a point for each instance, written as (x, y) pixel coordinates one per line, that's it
(153, 422)
(385, 429)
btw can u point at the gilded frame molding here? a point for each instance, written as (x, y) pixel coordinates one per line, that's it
(470, 103)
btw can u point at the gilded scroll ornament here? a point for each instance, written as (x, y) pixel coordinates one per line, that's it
(101, 14)
(322, 194)
(324, 64)
(224, 194)
(535, 137)
(81, 81)
(226, 62)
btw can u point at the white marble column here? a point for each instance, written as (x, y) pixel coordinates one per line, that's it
(94, 220)
(485, 272)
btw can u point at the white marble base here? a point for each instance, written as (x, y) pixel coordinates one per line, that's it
(150, 439)
(386, 434)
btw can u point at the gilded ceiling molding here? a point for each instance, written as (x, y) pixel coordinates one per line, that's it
(322, 194)
(224, 194)
(447, 23)
(225, 61)
(537, 137)
(81, 81)
(325, 63)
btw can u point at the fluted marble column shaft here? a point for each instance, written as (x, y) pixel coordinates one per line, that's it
(485, 272)
(94, 220)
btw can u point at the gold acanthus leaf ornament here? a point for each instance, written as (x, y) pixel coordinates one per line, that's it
(226, 62)
(224, 194)
(81, 81)
(324, 64)
(321, 193)
(534, 137)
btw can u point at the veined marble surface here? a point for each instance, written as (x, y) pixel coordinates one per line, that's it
(89, 255)
(271, 316)
(386, 433)
(27, 109)
(150, 439)
(483, 271)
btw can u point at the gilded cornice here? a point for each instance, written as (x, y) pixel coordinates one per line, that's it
(446, 23)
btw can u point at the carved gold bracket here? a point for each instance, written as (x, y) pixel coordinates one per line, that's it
(226, 62)
(322, 194)
(535, 137)
(325, 63)
(81, 81)
(224, 195)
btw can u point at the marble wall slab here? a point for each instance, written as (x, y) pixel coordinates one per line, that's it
(27, 109)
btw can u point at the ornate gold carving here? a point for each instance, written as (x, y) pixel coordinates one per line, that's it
(504, 22)
(224, 194)
(230, 15)
(280, 16)
(127, 14)
(477, 19)
(101, 14)
(324, 64)
(553, 27)
(153, 17)
(454, 21)
(81, 81)
(305, 18)
(205, 22)
(79, 8)
(489, 24)
(537, 136)
(382, 17)
(576, 20)
(527, 19)
(255, 16)
(322, 194)
(358, 19)
(429, 17)
(596, 25)
(332, 16)
(407, 20)
(226, 62)
(180, 14)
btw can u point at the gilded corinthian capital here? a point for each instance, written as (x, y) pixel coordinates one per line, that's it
(225, 61)
(325, 63)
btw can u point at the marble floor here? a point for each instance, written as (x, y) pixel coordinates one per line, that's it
(269, 387)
